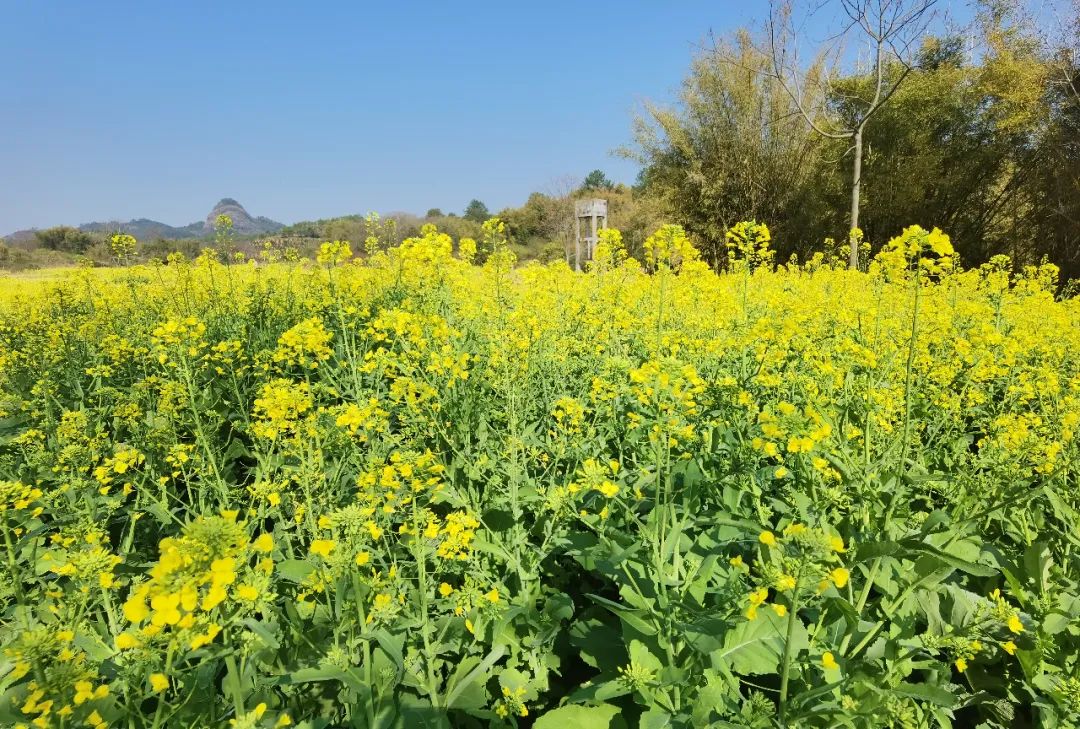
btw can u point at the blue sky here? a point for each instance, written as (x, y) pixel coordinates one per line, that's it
(309, 109)
(312, 109)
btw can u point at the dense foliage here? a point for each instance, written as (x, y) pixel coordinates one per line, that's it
(981, 137)
(416, 491)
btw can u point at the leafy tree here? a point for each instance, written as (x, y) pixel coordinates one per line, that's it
(477, 211)
(734, 149)
(891, 30)
(348, 228)
(65, 238)
(433, 213)
(978, 148)
(983, 142)
(597, 180)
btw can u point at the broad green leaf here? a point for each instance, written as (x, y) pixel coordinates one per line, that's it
(628, 615)
(755, 646)
(928, 693)
(294, 570)
(640, 654)
(326, 673)
(578, 717)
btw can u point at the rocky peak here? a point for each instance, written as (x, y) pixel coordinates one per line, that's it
(243, 223)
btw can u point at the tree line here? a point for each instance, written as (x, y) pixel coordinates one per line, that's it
(973, 129)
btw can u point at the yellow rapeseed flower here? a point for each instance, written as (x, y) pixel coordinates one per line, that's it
(126, 641)
(839, 577)
(159, 682)
(263, 543)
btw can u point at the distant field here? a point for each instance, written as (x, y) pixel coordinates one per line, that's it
(16, 285)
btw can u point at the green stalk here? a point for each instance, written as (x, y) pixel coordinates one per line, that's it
(235, 688)
(785, 666)
(421, 564)
(903, 446)
(907, 374)
(201, 433)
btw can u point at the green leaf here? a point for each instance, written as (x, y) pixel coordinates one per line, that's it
(327, 673)
(964, 604)
(754, 647)
(473, 694)
(926, 692)
(294, 570)
(263, 631)
(599, 644)
(640, 654)
(627, 615)
(419, 713)
(476, 673)
(655, 718)
(972, 568)
(578, 717)
(874, 550)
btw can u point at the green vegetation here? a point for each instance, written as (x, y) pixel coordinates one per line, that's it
(982, 138)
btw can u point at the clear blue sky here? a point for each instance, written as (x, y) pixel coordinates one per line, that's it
(311, 109)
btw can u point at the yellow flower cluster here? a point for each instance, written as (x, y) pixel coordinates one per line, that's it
(179, 338)
(748, 242)
(280, 406)
(17, 496)
(304, 345)
(669, 247)
(196, 576)
(66, 689)
(800, 558)
(334, 253)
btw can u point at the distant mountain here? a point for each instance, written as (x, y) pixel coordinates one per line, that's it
(243, 223)
(145, 229)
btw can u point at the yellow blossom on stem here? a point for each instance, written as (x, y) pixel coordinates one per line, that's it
(839, 577)
(263, 543)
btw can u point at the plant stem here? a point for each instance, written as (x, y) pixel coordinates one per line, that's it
(785, 665)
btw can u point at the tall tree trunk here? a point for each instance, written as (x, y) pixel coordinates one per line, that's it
(856, 182)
